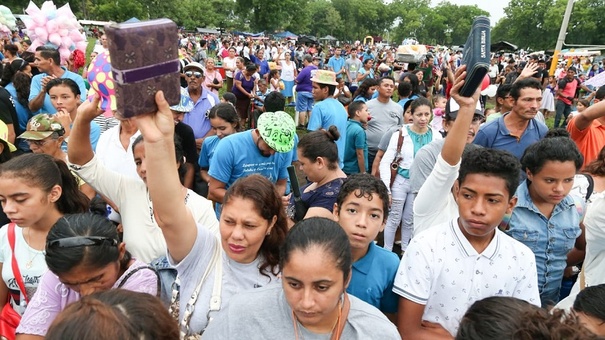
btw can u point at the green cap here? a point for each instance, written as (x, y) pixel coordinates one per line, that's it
(277, 130)
(41, 126)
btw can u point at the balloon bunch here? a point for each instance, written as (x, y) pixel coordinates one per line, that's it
(57, 28)
(7, 22)
(101, 81)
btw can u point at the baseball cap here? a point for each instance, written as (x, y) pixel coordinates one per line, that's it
(41, 126)
(277, 130)
(452, 108)
(194, 65)
(4, 136)
(185, 105)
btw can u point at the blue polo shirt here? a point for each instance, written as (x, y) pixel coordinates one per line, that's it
(495, 135)
(198, 117)
(356, 139)
(47, 106)
(330, 112)
(373, 277)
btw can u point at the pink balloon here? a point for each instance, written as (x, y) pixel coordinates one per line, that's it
(66, 42)
(35, 44)
(65, 11)
(52, 27)
(81, 45)
(485, 82)
(40, 19)
(55, 38)
(75, 36)
(41, 33)
(64, 32)
(32, 9)
(65, 53)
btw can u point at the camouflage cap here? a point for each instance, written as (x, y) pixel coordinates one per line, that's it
(41, 126)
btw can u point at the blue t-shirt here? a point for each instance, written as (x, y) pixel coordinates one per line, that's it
(330, 112)
(238, 156)
(207, 151)
(495, 135)
(47, 106)
(336, 64)
(373, 277)
(23, 112)
(95, 134)
(356, 139)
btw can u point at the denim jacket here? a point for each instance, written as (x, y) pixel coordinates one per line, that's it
(549, 239)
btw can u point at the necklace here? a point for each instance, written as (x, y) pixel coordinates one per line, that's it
(30, 263)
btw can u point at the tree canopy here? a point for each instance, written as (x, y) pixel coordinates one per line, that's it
(530, 24)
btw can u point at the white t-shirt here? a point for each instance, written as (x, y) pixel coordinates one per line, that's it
(142, 235)
(237, 277)
(442, 271)
(112, 154)
(31, 265)
(287, 71)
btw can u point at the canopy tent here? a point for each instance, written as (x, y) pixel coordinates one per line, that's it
(207, 31)
(286, 35)
(132, 20)
(503, 46)
(248, 34)
(328, 38)
(307, 39)
(579, 53)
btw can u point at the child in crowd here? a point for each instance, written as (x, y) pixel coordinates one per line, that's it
(274, 81)
(229, 97)
(581, 105)
(439, 102)
(356, 150)
(361, 209)
(547, 218)
(489, 112)
(448, 267)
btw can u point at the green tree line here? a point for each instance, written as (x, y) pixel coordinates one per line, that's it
(530, 24)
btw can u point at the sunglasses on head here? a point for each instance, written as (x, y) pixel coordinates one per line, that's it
(81, 241)
(193, 74)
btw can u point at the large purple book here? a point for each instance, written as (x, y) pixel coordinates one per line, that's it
(144, 59)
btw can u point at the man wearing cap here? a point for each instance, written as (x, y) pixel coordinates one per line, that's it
(203, 100)
(48, 61)
(264, 151)
(566, 91)
(328, 111)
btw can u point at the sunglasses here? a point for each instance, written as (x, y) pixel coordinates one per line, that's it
(81, 241)
(194, 74)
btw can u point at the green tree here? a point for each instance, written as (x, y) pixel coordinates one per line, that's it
(325, 18)
(364, 17)
(410, 19)
(263, 15)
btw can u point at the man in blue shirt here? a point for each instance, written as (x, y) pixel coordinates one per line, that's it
(327, 110)
(264, 151)
(336, 63)
(517, 129)
(48, 61)
(203, 100)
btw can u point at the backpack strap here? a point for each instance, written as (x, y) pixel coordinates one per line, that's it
(132, 272)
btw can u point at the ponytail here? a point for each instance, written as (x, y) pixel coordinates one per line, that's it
(72, 200)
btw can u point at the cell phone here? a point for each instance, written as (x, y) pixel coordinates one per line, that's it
(144, 60)
(476, 55)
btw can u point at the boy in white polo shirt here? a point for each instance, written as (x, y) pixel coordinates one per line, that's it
(448, 267)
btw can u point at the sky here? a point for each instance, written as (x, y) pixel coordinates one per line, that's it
(494, 7)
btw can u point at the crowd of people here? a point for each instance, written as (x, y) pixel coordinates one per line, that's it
(422, 214)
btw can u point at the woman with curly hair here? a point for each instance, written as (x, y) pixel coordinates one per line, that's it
(366, 90)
